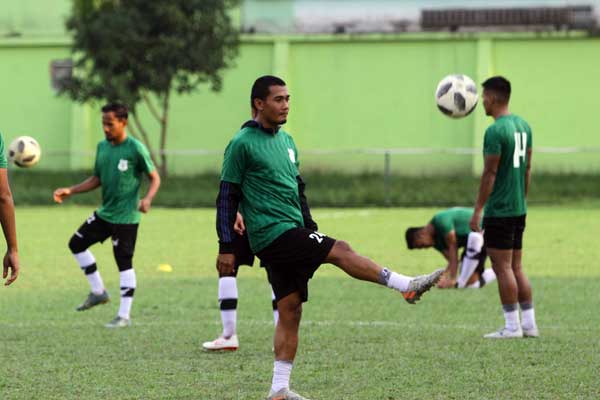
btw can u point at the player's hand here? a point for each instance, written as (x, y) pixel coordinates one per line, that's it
(144, 205)
(11, 262)
(446, 283)
(225, 264)
(61, 193)
(475, 222)
(239, 227)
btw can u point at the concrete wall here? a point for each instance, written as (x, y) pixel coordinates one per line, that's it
(349, 93)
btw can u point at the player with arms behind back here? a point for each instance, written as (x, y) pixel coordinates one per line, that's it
(507, 149)
(121, 162)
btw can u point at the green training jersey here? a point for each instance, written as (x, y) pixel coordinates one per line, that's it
(265, 165)
(120, 169)
(453, 219)
(3, 161)
(509, 137)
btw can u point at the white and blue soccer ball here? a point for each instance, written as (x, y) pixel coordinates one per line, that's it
(456, 95)
(24, 152)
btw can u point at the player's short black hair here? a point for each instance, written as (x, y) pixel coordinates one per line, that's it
(411, 234)
(262, 87)
(500, 86)
(120, 110)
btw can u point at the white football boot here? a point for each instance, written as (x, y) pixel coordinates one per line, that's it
(285, 394)
(505, 334)
(222, 343)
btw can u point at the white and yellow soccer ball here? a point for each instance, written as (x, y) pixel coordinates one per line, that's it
(24, 152)
(456, 95)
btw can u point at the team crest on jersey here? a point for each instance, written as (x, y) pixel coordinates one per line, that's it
(292, 155)
(123, 165)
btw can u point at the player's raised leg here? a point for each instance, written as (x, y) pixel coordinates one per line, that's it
(92, 231)
(360, 267)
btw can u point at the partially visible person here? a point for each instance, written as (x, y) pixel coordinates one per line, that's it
(10, 262)
(448, 232)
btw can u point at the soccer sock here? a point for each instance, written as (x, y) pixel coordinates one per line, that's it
(511, 316)
(488, 275)
(275, 311)
(128, 284)
(228, 298)
(87, 262)
(281, 375)
(527, 315)
(394, 280)
(475, 285)
(471, 259)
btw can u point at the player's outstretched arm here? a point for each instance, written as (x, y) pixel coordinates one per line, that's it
(90, 183)
(146, 202)
(7, 219)
(488, 177)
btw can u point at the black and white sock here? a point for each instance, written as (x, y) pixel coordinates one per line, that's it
(275, 311)
(87, 263)
(128, 285)
(228, 298)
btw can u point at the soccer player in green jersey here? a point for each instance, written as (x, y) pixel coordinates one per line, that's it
(7, 220)
(121, 163)
(260, 176)
(503, 191)
(447, 232)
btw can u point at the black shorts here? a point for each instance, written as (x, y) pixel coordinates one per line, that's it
(242, 251)
(124, 236)
(504, 233)
(292, 259)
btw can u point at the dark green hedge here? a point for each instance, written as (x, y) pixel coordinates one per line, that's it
(32, 187)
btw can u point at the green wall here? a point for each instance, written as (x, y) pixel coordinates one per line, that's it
(349, 93)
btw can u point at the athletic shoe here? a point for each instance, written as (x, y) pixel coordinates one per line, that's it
(531, 332)
(285, 394)
(93, 300)
(119, 322)
(505, 334)
(420, 284)
(222, 343)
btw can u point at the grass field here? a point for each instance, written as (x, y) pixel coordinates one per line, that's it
(358, 340)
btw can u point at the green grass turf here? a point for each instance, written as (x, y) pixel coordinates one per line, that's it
(358, 340)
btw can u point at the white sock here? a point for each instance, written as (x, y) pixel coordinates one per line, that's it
(275, 312)
(128, 284)
(475, 285)
(228, 296)
(527, 316)
(471, 259)
(488, 275)
(86, 259)
(511, 316)
(96, 284)
(394, 280)
(281, 375)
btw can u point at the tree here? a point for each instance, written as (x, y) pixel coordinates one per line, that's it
(139, 52)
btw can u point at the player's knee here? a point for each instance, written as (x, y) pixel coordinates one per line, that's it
(342, 250)
(232, 274)
(124, 263)
(77, 244)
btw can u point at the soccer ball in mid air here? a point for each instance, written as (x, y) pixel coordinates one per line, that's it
(24, 151)
(456, 95)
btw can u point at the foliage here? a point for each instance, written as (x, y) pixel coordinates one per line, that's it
(139, 52)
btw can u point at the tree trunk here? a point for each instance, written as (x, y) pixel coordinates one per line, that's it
(164, 121)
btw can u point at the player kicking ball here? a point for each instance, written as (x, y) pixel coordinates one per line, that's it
(121, 163)
(260, 177)
(447, 232)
